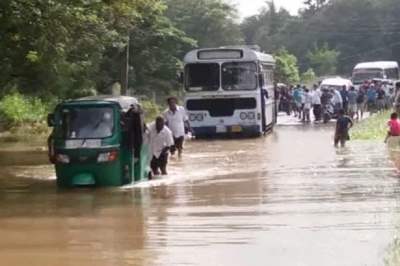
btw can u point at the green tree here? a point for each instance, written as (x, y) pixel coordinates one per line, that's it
(286, 67)
(323, 60)
(211, 23)
(308, 77)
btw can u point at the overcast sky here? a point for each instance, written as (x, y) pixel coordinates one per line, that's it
(251, 7)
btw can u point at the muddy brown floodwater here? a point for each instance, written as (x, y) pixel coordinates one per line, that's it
(287, 199)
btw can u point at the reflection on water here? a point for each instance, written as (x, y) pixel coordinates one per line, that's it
(287, 199)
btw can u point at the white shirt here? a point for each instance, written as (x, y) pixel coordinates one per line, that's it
(176, 121)
(159, 140)
(386, 89)
(307, 100)
(303, 97)
(316, 97)
(337, 98)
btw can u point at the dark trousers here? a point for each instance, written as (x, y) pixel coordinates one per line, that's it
(346, 106)
(178, 145)
(159, 163)
(317, 110)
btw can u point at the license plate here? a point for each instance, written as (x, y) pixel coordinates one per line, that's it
(75, 144)
(236, 129)
(221, 129)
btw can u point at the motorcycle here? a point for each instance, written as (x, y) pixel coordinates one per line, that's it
(328, 113)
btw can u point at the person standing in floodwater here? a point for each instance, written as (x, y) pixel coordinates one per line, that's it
(297, 97)
(352, 102)
(307, 105)
(343, 124)
(176, 120)
(161, 141)
(360, 103)
(316, 101)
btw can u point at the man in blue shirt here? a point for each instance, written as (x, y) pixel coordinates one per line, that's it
(297, 99)
(371, 96)
(352, 102)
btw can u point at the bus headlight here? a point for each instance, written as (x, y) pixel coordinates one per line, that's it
(192, 117)
(199, 117)
(243, 116)
(251, 116)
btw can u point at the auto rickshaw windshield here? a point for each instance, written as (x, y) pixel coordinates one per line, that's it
(90, 123)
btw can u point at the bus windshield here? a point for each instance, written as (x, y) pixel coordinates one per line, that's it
(202, 77)
(87, 122)
(360, 75)
(239, 76)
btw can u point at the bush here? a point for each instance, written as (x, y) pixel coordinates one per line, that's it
(17, 110)
(151, 110)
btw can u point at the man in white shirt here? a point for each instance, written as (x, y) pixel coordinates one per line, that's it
(316, 101)
(176, 119)
(161, 141)
(307, 105)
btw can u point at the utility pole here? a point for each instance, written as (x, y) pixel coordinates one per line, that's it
(125, 72)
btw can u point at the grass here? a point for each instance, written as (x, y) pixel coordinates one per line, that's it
(371, 128)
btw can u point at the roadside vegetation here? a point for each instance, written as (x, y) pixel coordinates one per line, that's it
(374, 127)
(57, 50)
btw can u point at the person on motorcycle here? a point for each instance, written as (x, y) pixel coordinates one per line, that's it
(326, 97)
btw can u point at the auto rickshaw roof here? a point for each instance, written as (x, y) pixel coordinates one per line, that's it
(125, 102)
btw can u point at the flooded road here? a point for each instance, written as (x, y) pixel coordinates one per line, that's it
(287, 199)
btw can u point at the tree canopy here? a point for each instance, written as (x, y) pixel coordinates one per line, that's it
(62, 48)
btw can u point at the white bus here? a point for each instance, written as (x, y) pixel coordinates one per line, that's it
(224, 91)
(370, 70)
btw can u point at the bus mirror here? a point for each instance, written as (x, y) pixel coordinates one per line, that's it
(261, 80)
(50, 120)
(181, 77)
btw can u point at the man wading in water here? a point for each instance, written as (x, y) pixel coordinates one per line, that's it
(176, 119)
(161, 142)
(343, 124)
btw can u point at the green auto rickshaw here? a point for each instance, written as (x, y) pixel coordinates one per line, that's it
(99, 141)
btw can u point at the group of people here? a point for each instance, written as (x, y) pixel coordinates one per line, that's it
(167, 135)
(371, 96)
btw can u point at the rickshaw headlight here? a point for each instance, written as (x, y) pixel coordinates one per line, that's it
(199, 117)
(62, 158)
(243, 116)
(107, 157)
